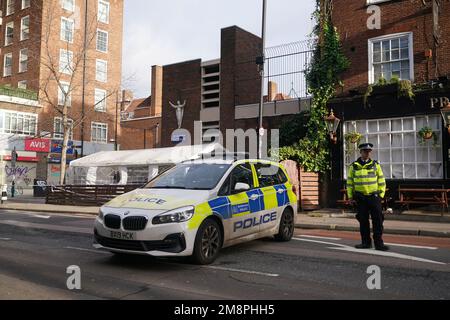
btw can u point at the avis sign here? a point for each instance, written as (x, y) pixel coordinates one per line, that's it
(37, 145)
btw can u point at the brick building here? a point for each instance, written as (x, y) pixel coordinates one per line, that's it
(140, 122)
(44, 40)
(223, 93)
(413, 44)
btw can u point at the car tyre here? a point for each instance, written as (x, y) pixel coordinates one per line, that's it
(208, 242)
(287, 225)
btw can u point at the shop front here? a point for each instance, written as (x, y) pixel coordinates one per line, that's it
(411, 140)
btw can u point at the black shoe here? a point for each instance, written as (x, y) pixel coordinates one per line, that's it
(363, 246)
(382, 248)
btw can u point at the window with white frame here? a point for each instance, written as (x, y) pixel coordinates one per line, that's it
(99, 132)
(391, 56)
(7, 64)
(9, 33)
(68, 5)
(102, 41)
(101, 70)
(25, 28)
(26, 4)
(103, 11)
(21, 123)
(22, 84)
(67, 29)
(100, 100)
(23, 60)
(398, 147)
(64, 94)
(65, 61)
(58, 128)
(10, 4)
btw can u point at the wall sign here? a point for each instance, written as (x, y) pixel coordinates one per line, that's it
(37, 145)
(440, 102)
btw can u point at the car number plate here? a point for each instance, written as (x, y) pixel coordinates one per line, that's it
(123, 235)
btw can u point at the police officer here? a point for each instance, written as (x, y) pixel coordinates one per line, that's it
(366, 186)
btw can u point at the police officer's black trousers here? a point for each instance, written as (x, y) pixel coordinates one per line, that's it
(370, 205)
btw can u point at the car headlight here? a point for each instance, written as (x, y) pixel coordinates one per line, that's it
(175, 216)
(101, 214)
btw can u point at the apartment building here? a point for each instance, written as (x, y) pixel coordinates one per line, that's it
(64, 51)
(400, 40)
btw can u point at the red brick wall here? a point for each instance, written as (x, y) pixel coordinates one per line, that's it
(239, 76)
(132, 134)
(181, 81)
(350, 18)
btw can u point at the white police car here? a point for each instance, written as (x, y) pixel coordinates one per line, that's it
(199, 207)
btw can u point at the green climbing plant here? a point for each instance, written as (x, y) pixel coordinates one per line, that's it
(328, 62)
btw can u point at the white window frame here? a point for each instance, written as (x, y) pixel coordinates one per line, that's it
(64, 30)
(23, 35)
(56, 129)
(100, 75)
(10, 7)
(64, 66)
(107, 40)
(21, 60)
(99, 126)
(28, 120)
(371, 72)
(65, 4)
(7, 74)
(22, 84)
(26, 4)
(108, 11)
(100, 105)
(428, 146)
(61, 95)
(9, 25)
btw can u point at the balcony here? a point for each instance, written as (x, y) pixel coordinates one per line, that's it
(18, 93)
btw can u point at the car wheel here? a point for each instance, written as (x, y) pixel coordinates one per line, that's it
(208, 243)
(287, 225)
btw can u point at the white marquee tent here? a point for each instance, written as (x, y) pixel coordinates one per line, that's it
(132, 167)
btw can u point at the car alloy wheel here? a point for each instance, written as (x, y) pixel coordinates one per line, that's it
(210, 242)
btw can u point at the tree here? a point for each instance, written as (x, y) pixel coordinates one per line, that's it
(63, 75)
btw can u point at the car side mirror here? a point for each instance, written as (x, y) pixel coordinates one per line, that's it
(241, 187)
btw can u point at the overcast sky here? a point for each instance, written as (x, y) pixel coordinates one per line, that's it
(159, 32)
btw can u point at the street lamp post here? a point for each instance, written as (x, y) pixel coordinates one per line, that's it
(261, 62)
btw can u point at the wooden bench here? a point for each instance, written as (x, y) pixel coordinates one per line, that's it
(426, 196)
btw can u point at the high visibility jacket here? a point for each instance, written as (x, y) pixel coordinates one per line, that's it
(367, 179)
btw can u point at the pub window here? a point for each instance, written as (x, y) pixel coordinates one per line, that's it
(398, 148)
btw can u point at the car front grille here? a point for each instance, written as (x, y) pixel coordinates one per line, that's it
(174, 243)
(112, 221)
(135, 223)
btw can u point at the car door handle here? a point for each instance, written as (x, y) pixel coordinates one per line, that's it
(254, 197)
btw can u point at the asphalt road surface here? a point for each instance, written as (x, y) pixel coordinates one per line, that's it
(36, 250)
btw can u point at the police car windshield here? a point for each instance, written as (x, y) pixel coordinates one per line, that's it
(192, 176)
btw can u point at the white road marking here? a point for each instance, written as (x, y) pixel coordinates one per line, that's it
(388, 254)
(5, 239)
(410, 246)
(273, 275)
(323, 238)
(343, 247)
(40, 216)
(87, 250)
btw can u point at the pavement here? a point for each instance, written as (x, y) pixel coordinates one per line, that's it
(417, 223)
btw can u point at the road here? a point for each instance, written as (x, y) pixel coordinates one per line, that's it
(36, 249)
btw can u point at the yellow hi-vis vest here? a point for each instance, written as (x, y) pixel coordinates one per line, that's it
(366, 179)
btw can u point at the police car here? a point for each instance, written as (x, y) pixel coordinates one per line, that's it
(198, 207)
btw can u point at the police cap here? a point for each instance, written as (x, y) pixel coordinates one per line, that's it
(366, 146)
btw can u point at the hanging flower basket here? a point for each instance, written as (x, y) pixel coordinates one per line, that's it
(428, 135)
(353, 137)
